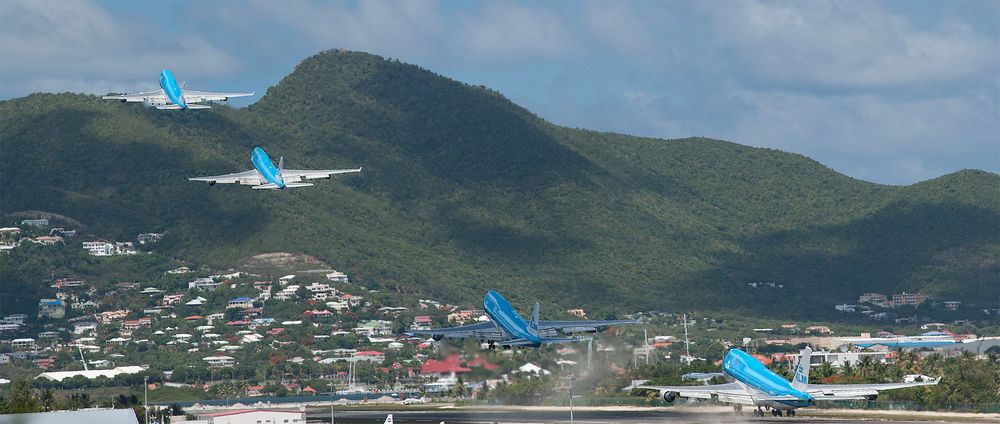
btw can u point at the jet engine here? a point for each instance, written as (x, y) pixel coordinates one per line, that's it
(669, 396)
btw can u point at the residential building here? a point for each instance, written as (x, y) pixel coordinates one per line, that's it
(821, 329)
(465, 315)
(907, 299)
(219, 361)
(171, 299)
(23, 344)
(337, 276)
(149, 238)
(846, 308)
(84, 327)
(952, 305)
(15, 319)
(63, 283)
(111, 316)
(240, 302)
(51, 308)
(203, 283)
(35, 223)
(369, 355)
(136, 323)
(874, 298)
(579, 313)
(99, 248)
(374, 328)
(421, 322)
(48, 240)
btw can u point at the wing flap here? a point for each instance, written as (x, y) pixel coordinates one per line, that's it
(315, 174)
(246, 178)
(193, 96)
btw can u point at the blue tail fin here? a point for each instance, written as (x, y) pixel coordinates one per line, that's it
(533, 325)
(800, 381)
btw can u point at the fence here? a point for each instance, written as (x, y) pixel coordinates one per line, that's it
(888, 405)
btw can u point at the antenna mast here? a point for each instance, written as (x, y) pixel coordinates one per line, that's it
(82, 359)
(687, 344)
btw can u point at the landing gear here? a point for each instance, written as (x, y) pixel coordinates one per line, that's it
(776, 412)
(791, 413)
(758, 412)
(492, 345)
(738, 409)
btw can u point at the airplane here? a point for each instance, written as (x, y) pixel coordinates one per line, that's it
(171, 96)
(751, 383)
(265, 176)
(508, 329)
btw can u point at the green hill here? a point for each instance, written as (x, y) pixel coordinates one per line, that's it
(463, 190)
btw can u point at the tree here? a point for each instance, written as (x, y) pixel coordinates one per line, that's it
(21, 398)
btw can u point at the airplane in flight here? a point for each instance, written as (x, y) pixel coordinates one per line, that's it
(172, 96)
(508, 329)
(751, 383)
(265, 176)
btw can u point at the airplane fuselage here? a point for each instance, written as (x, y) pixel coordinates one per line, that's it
(758, 379)
(505, 317)
(262, 163)
(171, 89)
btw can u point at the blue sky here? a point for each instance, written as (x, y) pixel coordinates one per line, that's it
(891, 92)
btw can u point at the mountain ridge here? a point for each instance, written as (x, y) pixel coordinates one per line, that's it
(463, 190)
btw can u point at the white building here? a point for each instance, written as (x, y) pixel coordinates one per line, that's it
(219, 361)
(255, 416)
(109, 373)
(23, 344)
(337, 276)
(204, 283)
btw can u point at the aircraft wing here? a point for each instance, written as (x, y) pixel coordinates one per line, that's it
(481, 330)
(246, 178)
(858, 391)
(732, 391)
(582, 326)
(150, 96)
(192, 96)
(305, 174)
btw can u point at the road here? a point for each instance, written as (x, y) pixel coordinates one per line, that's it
(584, 417)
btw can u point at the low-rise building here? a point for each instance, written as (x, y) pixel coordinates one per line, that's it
(337, 276)
(51, 308)
(149, 238)
(219, 361)
(203, 283)
(255, 416)
(35, 223)
(23, 344)
(240, 302)
(111, 316)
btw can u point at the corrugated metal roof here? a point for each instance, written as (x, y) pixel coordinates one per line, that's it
(89, 416)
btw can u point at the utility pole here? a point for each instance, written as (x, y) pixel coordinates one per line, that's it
(331, 401)
(570, 399)
(687, 343)
(145, 397)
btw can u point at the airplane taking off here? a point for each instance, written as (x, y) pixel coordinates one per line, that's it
(751, 383)
(171, 96)
(266, 176)
(510, 329)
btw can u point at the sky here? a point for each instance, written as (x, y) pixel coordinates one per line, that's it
(892, 92)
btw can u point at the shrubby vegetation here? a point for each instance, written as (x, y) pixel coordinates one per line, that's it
(463, 191)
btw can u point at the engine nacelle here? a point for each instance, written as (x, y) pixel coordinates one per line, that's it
(669, 397)
(437, 337)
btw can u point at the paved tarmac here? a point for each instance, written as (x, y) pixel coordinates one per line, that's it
(583, 417)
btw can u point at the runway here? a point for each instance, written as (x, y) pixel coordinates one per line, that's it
(584, 417)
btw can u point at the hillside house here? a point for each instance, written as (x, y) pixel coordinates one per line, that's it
(51, 308)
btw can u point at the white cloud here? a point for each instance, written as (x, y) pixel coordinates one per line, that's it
(53, 46)
(845, 45)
